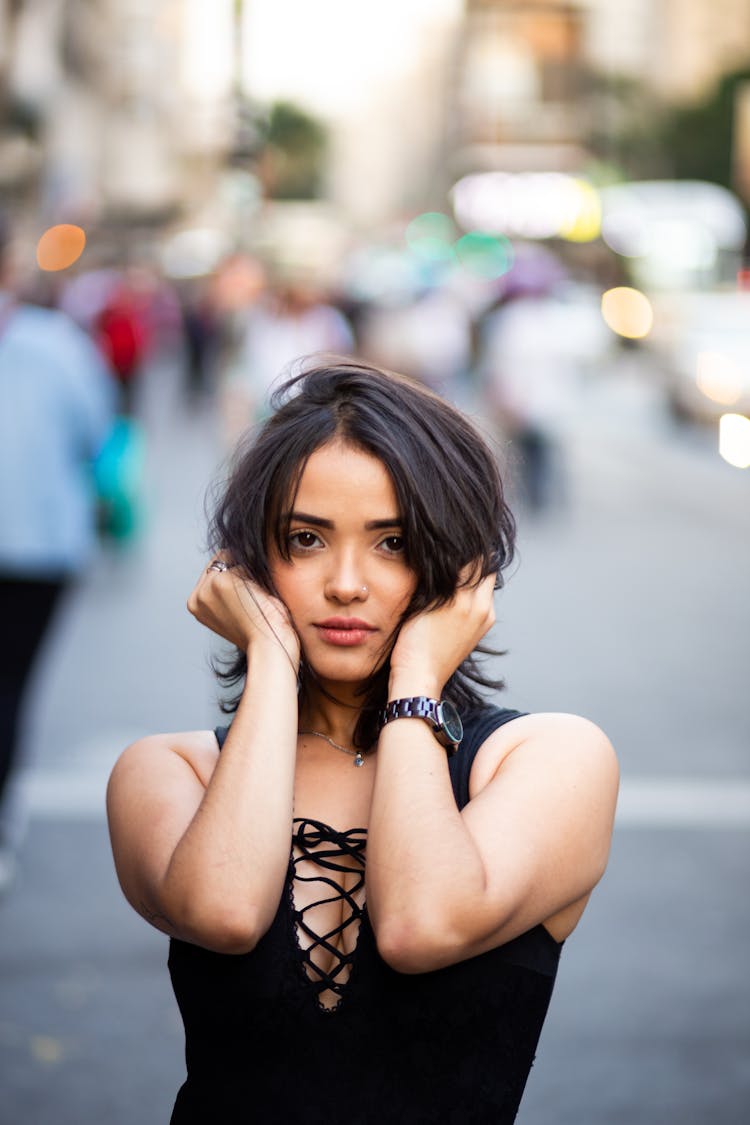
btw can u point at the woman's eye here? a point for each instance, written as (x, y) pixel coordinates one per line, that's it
(394, 544)
(304, 540)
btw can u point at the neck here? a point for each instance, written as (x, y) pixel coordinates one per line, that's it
(338, 727)
(335, 717)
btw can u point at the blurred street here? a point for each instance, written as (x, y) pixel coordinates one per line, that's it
(628, 604)
(555, 235)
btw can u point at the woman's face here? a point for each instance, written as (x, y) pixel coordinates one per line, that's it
(346, 583)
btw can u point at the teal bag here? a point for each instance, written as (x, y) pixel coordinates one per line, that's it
(119, 480)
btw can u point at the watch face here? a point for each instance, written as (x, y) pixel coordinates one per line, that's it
(450, 720)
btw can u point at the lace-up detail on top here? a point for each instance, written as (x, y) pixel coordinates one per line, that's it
(327, 927)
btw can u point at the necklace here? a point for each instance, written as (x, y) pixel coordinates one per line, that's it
(358, 757)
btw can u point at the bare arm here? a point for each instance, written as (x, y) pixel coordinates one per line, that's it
(528, 848)
(201, 840)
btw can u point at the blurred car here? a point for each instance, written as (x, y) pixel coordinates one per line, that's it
(702, 343)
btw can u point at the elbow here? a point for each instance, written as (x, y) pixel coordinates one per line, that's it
(230, 940)
(224, 930)
(416, 945)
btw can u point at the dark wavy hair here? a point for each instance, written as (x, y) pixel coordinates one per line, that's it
(446, 480)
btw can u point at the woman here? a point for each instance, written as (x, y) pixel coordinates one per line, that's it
(357, 547)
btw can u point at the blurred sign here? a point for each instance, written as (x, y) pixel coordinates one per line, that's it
(528, 205)
(674, 230)
(637, 214)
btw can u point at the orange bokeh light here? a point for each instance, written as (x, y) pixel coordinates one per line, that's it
(60, 246)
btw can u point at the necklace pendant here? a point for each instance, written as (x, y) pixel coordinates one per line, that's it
(359, 760)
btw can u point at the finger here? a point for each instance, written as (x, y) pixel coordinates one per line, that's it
(471, 574)
(220, 563)
(488, 583)
(488, 592)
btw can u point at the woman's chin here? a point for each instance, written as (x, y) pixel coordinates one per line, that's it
(330, 669)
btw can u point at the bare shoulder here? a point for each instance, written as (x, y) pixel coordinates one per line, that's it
(549, 742)
(167, 753)
(155, 788)
(154, 791)
(543, 794)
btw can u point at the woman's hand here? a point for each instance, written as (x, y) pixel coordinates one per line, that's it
(237, 609)
(431, 645)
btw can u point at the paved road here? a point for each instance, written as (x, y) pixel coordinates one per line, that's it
(629, 605)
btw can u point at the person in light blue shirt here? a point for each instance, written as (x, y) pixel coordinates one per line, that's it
(57, 400)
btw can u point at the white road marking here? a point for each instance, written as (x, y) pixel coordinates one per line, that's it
(689, 802)
(77, 795)
(645, 802)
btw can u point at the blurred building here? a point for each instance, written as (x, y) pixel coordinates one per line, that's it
(678, 52)
(379, 75)
(520, 86)
(389, 157)
(117, 110)
(524, 98)
(126, 111)
(678, 48)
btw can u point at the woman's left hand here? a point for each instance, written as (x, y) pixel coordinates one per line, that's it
(431, 645)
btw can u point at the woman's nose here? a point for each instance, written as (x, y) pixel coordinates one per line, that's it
(346, 582)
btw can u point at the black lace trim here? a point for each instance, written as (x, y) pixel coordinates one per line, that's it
(338, 853)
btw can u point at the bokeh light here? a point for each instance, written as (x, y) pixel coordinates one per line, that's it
(584, 221)
(484, 255)
(627, 312)
(734, 440)
(59, 247)
(430, 236)
(718, 377)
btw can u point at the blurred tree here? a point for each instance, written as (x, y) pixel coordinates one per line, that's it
(698, 138)
(632, 129)
(293, 160)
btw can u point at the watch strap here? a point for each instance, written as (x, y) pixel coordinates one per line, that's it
(415, 707)
(420, 707)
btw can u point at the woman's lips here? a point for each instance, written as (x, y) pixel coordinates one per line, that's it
(345, 631)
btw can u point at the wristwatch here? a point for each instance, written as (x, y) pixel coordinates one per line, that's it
(441, 715)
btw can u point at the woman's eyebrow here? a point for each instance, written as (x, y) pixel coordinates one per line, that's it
(377, 525)
(319, 521)
(305, 517)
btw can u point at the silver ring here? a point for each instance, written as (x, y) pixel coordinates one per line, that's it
(218, 564)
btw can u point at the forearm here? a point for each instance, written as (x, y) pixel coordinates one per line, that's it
(226, 874)
(424, 872)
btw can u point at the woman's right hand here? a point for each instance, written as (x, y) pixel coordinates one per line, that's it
(233, 606)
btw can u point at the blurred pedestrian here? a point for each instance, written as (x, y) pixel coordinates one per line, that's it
(526, 379)
(427, 337)
(123, 332)
(291, 323)
(56, 406)
(200, 330)
(378, 943)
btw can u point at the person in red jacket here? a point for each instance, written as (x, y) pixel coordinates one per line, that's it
(122, 333)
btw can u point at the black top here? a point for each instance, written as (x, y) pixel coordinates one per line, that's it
(453, 1046)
